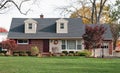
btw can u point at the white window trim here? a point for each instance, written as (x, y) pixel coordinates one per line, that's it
(66, 49)
(62, 25)
(29, 26)
(23, 43)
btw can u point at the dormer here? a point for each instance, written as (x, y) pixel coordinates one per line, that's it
(30, 26)
(62, 26)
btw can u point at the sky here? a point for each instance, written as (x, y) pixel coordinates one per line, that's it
(45, 7)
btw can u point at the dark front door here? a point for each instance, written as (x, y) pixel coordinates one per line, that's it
(45, 45)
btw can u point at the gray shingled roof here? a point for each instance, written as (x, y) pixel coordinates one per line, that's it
(46, 29)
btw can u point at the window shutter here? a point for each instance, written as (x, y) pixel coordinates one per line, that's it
(29, 41)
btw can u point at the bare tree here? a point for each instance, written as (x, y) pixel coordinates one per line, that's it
(115, 29)
(115, 11)
(95, 12)
(6, 4)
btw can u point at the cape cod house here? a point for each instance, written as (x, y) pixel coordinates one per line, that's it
(51, 34)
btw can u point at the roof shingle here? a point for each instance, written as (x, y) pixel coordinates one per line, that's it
(46, 29)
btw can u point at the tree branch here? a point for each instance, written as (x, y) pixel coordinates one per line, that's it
(19, 7)
(93, 7)
(3, 5)
(102, 3)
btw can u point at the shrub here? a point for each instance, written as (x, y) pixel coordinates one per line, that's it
(2, 54)
(76, 53)
(16, 54)
(84, 53)
(29, 53)
(62, 54)
(23, 53)
(88, 53)
(65, 52)
(71, 54)
(34, 51)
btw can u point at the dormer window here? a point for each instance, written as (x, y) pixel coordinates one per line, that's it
(62, 26)
(30, 26)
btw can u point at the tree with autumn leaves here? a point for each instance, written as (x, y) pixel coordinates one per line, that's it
(93, 37)
(9, 45)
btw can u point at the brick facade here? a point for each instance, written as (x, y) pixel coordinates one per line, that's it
(27, 47)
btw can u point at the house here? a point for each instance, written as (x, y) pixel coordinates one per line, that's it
(3, 36)
(51, 34)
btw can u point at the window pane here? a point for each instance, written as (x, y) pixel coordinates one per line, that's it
(63, 44)
(79, 47)
(79, 44)
(71, 44)
(22, 41)
(25, 41)
(30, 25)
(62, 25)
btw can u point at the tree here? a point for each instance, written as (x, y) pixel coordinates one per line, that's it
(6, 4)
(9, 45)
(93, 36)
(115, 29)
(95, 12)
(85, 14)
(115, 11)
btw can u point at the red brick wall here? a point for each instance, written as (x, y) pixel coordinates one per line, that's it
(110, 48)
(27, 47)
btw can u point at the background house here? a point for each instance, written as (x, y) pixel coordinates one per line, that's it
(3, 35)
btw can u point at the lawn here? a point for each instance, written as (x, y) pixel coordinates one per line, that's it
(58, 65)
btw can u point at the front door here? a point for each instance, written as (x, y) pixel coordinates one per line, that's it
(45, 45)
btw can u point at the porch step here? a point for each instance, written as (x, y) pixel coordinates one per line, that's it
(46, 54)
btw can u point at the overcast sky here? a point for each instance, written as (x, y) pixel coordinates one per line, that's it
(46, 7)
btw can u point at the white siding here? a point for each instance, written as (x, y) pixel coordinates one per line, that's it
(98, 51)
(58, 47)
(3, 36)
(55, 48)
(34, 26)
(58, 25)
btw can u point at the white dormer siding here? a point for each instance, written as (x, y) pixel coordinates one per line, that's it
(62, 26)
(30, 26)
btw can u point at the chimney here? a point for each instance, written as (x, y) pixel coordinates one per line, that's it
(41, 16)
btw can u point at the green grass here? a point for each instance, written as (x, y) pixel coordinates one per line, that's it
(58, 65)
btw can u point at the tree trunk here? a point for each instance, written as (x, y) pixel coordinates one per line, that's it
(94, 53)
(102, 52)
(9, 52)
(93, 7)
(114, 44)
(101, 8)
